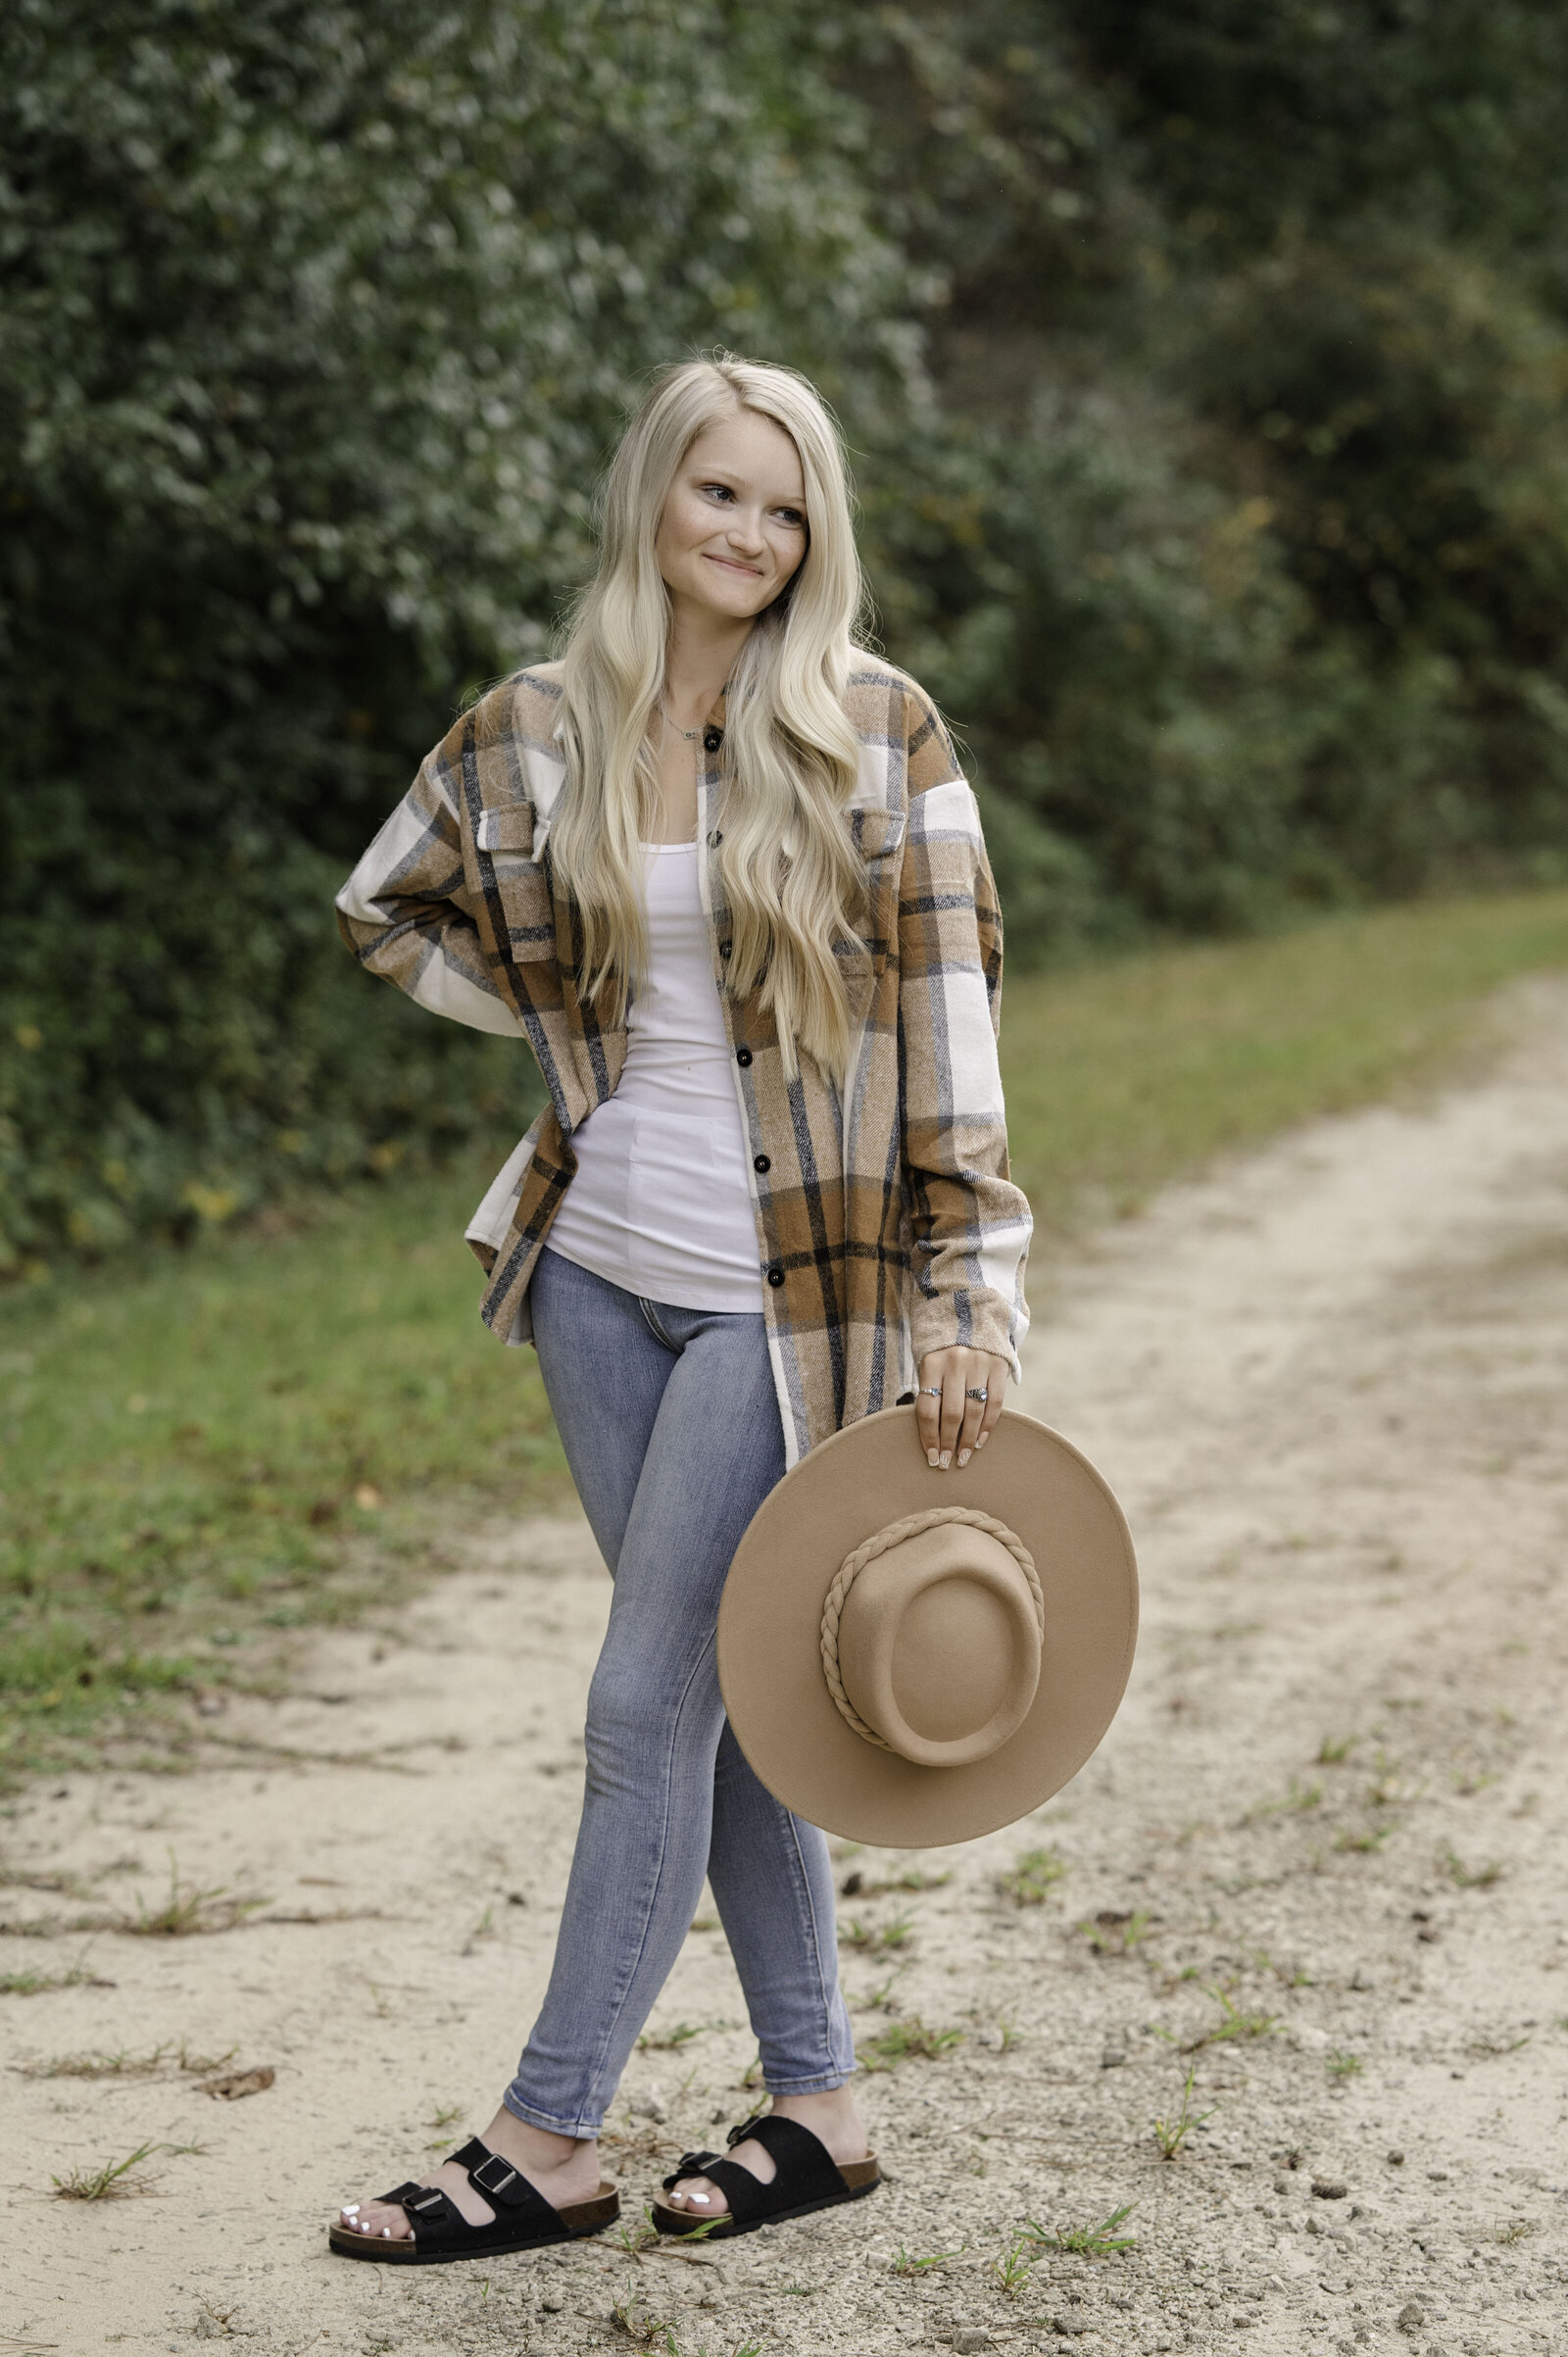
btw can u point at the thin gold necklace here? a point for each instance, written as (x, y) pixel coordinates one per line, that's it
(690, 734)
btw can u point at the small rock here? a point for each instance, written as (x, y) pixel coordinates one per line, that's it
(1282, 2184)
(231, 2086)
(649, 2107)
(1411, 2317)
(1395, 2158)
(1112, 2058)
(1329, 2188)
(1361, 1979)
(1439, 2177)
(552, 2303)
(969, 2343)
(1070, 2324)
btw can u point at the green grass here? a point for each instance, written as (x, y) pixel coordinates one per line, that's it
(907, 2042)
(1031, 1877)
(1100, 2241)
(1120, 1076)
(107, 2182)
(202, 1452)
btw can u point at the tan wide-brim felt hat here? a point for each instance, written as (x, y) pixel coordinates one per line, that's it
(911, 1658)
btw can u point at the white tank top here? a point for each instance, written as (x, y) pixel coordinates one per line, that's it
(662, 1202)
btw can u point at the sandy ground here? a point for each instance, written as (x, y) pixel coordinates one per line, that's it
(1318, 1863)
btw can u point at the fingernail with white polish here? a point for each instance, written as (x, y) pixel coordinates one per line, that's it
(983, 1436)
(964, 1456)
(946, 1460)
(931, 1456)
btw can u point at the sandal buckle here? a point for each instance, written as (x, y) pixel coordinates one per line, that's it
(487, 2184)
(430, 2200)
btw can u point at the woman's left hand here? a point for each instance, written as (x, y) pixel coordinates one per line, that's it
(952, 1418)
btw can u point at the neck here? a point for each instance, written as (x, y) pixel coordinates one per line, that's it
(701, 652)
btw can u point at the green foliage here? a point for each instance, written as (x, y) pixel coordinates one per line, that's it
(1248, 578)
(1204, 367)
(1112, 640)
(313, 326)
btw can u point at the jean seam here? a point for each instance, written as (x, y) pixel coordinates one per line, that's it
(802, 1893)
(649, 1316)
(629, 1978)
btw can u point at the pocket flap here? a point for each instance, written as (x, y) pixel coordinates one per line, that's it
(507, 828)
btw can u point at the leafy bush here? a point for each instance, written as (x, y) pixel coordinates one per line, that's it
(1205, 364)
(1401, 405)
(314, 322)
(1112, 640)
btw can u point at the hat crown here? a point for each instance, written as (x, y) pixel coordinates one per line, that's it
(936, 1639)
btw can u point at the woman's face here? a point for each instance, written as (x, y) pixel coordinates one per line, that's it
(733, 530)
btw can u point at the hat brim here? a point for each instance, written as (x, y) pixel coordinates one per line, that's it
(771, 1666)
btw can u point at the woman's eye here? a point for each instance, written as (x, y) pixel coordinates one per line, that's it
(717, 491)
(792, 517)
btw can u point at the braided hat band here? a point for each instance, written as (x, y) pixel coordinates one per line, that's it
(894, 1535)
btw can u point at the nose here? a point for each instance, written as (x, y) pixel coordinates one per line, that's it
(746, 529)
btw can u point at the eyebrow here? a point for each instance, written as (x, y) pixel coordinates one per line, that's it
(724, 474)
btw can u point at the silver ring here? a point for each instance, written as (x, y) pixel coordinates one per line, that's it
(930, 1391)
(974, 1395)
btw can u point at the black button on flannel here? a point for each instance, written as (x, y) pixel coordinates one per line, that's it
(743, 1056)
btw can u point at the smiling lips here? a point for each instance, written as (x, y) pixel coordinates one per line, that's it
(733, 565)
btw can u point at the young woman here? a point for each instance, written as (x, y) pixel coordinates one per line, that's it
(721, 870)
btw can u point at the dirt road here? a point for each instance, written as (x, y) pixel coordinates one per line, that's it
(1319, 1864)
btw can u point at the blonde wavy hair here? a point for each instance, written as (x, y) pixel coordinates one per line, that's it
(791, 875)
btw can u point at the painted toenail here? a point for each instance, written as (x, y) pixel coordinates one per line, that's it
(704, 2198)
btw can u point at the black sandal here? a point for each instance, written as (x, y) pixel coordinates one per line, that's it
(807, 2178)
(523, 2220)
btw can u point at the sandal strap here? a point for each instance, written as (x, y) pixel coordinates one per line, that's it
(690, 2164)
(800, 2158)
(439, 2223)
(503, 2186)
(804, 2170)
(429, 2202)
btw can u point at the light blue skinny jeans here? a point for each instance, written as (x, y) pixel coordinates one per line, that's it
(671, 1425)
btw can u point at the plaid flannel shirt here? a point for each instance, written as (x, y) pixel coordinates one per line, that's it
(887, 1225)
